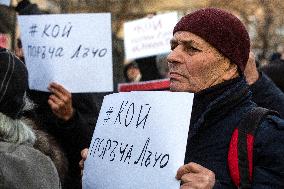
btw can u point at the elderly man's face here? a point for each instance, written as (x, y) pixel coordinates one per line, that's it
(194, 64)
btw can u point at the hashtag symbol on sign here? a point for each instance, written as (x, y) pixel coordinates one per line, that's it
(108, 113)
(33, 30)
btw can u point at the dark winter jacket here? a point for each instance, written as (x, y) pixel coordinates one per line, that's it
(216, 113)
(73, 135)
(275, 71)
(266, 94)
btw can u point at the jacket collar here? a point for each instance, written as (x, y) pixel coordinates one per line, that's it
(212, 104)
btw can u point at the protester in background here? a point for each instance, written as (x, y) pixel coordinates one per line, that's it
(69, 118)
(162, 65)
(148, 68)
(264, 92)
(210, 49)
(275, 72)
(275, 56)
(278, 55)
(22, 165)
(19, 50)
(275, 69)
(25, 7)
(131, 72)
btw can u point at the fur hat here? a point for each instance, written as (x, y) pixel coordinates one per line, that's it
(222, 30)
(13, 84)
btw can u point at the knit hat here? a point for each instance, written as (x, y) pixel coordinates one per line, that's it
(13, 84)
(222, 30)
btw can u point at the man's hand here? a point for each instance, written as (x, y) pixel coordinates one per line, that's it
(60, 102)
(84, 154)
(251, 72)
(193, 175)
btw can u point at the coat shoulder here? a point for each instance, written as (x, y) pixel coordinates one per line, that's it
(22, 166)
(269, 154)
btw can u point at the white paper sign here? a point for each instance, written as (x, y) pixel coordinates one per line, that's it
(74, 50)
(139, 141)
(149, 36)
(5, 2)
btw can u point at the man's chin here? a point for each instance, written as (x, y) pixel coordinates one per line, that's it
(176, 87)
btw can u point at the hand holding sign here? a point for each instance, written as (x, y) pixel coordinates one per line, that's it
(139, 140)
(84, 154)
(193, 175)
(60, 102)
(71, 49)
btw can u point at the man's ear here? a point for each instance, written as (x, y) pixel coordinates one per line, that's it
(231, 72)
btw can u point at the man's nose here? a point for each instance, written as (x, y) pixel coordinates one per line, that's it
(172, 58)
(172, 54)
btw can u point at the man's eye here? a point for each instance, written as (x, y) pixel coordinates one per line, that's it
(191, 49)
(173, 46)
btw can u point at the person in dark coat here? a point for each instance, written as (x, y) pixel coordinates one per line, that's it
(148, 68)
(131, 72)
(71, 119)
(264, 91)
(275, 71)
(29, 158)
(25, 7)
(210, 49)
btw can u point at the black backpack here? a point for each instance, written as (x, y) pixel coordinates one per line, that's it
(240, 154)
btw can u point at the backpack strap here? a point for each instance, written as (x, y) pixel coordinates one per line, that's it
(240, 155)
